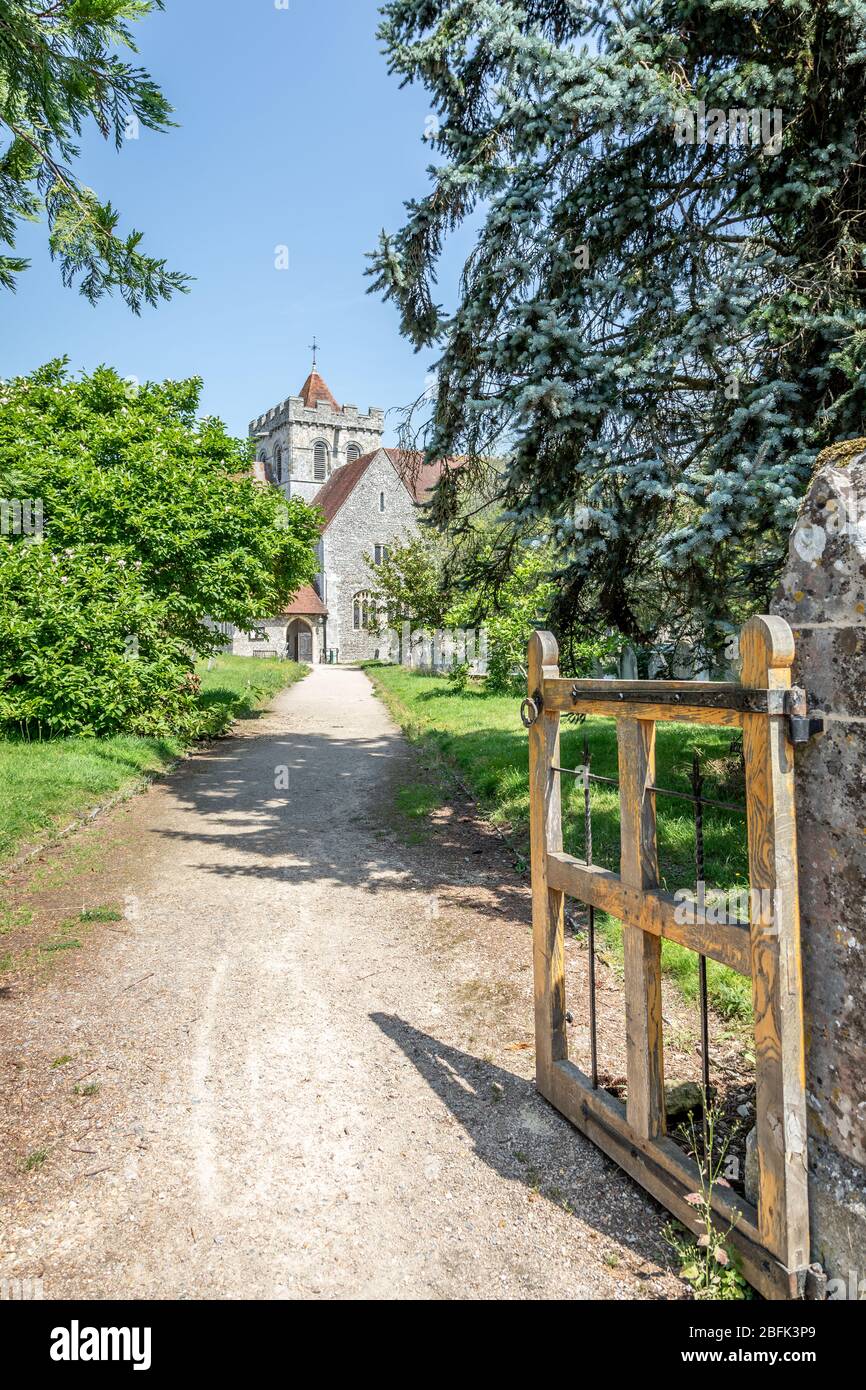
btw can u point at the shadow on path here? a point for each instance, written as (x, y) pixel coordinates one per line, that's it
(522, 1138)
(241, 821)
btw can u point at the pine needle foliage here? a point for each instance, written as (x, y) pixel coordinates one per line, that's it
(61, 71)
(663, 319)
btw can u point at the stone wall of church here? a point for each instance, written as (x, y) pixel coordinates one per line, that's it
(356, 529)
(295, 430)
(269, 638)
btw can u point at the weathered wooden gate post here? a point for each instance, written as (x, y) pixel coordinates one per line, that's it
(823, 597)
(548, 904)
(768, 652)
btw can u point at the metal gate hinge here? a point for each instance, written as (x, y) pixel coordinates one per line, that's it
(815, 1284)
(801, 725)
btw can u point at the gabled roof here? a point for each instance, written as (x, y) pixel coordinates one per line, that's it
(334, 492)
(305, 603)
(314, 390)
(418, 478)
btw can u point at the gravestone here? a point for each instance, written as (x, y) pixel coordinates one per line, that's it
(822, 595)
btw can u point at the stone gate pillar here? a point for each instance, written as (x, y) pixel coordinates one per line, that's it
(823, 596)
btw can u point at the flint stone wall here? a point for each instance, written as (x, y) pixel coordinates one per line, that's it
(823, 596)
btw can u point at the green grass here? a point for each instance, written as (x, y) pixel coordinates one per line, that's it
(12, 918)
(92, 1088)
(482, 737)
(417, 801)
(414, 806)
(34, 1160)
(44, 785)
(238, 685)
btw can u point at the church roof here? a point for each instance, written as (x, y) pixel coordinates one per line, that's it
(418, 478)
(341, 483)
(306, 603)
(315, 390)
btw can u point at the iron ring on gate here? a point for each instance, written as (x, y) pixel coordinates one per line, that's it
(529, 713)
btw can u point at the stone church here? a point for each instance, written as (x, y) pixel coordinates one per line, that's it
(331, 455)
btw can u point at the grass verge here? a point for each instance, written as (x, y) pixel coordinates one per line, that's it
(481, 737)
(44, 784)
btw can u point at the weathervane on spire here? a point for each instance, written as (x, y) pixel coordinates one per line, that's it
(315, 348)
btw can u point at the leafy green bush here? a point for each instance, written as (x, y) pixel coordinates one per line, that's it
(86, 648)
(458, 676)
(508, 617)
(522, 603)
(152, 526)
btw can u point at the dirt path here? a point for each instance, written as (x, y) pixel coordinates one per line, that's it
(311, 1042)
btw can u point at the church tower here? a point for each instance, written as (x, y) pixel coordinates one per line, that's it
(306, 438)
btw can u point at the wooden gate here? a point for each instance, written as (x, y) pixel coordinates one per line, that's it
(772, 1239)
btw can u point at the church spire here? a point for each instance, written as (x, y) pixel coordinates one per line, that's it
(314, 388)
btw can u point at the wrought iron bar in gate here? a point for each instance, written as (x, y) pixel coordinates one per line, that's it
(699, 802)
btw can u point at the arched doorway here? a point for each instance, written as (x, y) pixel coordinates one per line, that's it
(299, 641)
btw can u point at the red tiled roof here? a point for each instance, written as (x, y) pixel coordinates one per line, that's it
(333, 493)
(418, 478)
(306, 603)
(315, 390)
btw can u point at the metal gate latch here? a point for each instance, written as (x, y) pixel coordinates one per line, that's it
(801, 726)
(531, 709)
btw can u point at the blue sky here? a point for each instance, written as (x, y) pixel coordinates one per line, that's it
(290, 133)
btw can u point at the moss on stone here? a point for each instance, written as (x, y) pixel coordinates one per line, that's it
(841, 454)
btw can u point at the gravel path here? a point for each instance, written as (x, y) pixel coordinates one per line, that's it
(312, 1045)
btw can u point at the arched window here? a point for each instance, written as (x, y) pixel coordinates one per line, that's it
(278, 464)
(362, 611)
(353, 453)
(320, 461)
